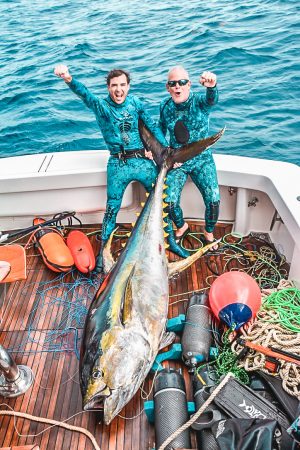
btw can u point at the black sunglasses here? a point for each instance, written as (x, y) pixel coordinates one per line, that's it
(180, 82)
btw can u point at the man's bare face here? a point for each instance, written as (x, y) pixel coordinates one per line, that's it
(118, 89)
(179, 92)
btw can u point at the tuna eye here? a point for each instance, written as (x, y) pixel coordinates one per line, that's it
(97, 374)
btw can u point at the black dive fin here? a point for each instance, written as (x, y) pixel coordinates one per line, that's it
(188, 151)
(152, 144)
(289, 404)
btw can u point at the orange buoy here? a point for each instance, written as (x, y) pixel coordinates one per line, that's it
(50, 243)
(82, 251)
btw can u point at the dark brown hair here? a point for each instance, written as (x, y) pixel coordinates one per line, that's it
(117, 73)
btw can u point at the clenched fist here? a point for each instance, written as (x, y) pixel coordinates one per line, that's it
(208, 79)
(62, 71)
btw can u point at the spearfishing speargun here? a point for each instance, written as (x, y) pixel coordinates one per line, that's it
(273, 355)
(55, 219)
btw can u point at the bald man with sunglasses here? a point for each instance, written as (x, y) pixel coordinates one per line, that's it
(185, 117)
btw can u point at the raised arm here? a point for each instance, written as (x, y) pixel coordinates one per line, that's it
(91, 101)
(209, 80)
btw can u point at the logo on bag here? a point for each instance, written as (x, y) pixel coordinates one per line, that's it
(221, 428)
(251, 411)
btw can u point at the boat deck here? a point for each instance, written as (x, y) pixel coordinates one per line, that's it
(42, 322)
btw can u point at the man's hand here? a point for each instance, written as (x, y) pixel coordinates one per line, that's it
(208, 79)
(148, 155)
(176, 165)
(62, 71)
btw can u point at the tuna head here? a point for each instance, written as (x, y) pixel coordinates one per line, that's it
(118, 373)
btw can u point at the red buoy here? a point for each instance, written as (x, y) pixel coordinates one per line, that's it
(81, 250)
(235, 298)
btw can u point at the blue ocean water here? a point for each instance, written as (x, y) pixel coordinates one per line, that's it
(252, 46)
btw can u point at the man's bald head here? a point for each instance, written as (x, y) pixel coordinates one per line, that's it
(178, 72)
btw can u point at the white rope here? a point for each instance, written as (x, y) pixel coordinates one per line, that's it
(53, 423)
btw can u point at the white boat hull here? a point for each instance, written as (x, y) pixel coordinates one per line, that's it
(253, 193)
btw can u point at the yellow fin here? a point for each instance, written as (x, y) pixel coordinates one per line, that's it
(165, 204)
(164, 195)
(142, 204)
(147, 194)
(165, 224)
(166, 245)
(128, 234)
(182, 264)
(165, 214)
(133, 223)
(137, 214)
(166, 234)
(123, 244)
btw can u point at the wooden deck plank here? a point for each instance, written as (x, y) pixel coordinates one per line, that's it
(59, 436)
(14, 341)
(55, 394)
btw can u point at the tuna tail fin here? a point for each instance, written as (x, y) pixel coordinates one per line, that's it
(159, 152)
(188, 151)
(171, 156)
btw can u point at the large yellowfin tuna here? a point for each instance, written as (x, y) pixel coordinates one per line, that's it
(125, 325)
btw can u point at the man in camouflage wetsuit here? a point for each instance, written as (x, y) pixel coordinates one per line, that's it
(117, 116)
(185, 116)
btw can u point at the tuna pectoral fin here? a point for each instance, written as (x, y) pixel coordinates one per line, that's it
(167, 339)
(127, 304)
(188, 151)
(179, 266)
(108, 259)
(151, 144)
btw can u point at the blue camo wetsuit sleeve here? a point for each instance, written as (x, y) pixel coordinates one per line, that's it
(91, 100)
(210, 99)
(162, 123)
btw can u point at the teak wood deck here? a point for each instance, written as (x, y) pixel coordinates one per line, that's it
(55, 393)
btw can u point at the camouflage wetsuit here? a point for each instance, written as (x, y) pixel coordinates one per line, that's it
(119, 126)
(192, 119)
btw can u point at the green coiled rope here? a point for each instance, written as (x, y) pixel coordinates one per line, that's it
(286, 303)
